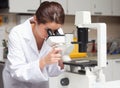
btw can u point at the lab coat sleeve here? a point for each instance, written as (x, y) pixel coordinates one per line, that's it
(19, 68)
(54, 70)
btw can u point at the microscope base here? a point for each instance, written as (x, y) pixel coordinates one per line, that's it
(72, 80)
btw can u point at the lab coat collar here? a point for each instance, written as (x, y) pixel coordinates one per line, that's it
(28, 35)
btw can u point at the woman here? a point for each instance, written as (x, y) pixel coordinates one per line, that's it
(31, 61)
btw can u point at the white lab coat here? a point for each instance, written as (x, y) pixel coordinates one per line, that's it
(22, 68)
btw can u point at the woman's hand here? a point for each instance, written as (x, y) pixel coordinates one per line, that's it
(54, 56)
(60, 63)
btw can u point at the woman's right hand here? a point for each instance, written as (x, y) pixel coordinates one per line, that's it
(52, 57)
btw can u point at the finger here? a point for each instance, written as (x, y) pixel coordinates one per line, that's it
(56, 50)
(54, 46)
(58, 55)
(52, 50)
(60, 63)
(55, 60)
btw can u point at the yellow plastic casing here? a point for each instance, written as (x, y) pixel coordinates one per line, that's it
(75, 54)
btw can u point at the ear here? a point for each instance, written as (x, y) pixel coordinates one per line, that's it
(35, 19)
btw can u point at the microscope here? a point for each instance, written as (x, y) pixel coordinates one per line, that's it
(57, 39)
(86, 73)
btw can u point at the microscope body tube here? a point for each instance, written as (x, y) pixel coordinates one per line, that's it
(82, 38)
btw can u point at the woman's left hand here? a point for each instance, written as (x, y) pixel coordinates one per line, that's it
(60, 63)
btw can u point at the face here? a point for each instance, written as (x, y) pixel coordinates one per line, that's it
(42, 29)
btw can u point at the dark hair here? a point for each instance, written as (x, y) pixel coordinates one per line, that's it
(50, 12)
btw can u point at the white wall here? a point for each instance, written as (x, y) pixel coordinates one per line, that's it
(113, 26)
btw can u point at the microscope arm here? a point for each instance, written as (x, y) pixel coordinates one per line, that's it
(101, 42)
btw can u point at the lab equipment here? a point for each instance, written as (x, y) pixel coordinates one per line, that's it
(86, 74)
(56, 39)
